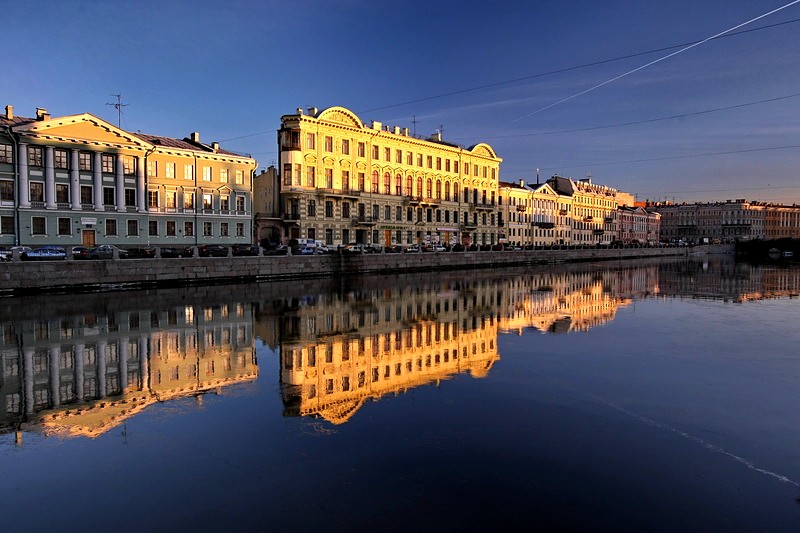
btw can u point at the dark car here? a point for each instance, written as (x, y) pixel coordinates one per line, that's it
(169, 252)
(104, 251)
(244, 249)
(146, 252)
(206, 250)
(277, 250)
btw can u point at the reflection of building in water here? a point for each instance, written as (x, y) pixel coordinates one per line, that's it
(338, 351)
(728, 280)
(563, 301)
(82, 375)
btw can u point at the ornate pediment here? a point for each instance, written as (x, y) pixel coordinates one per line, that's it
(483, 149)
(84, 129)
(340, 115)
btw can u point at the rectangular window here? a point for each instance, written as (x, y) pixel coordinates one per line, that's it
(62, 193)
(86, 194)
(108, 163)
(207, 229)
(152, 199)
(60, 159)
(7, 225)
(387, 154)
(311, 141)
(7, 190)
(128, 165)
(329, 209)
(430, 161)
(35, 158)
(64, 226)
(328, 236)
(108, 196)
(345, 209)
(362, 149)
(447, 165)
(312, 208)
(188, 172)
(329, 178)
(239, 177)
(361, 180)
(328, 143)
(345, 180)
(207, 201)
(311, 176)
(170, 199)
(206, 173)
(409, 158)
(170, 228)
(287, 174)
(455, 167)
(240, 229)
(224, 203)
(38, 226)
(438, 163)
(111, 226)
(345, 146)
(466, 169)
(188, 200)
(398, 156)
(84, 161)
(188, 229)
(240, 203)
(223, 175)
(133, 228)
(169, 170)
(6, 153)
(419, 160)
(130, 197)
(152, 228)
(223, 229)
(37, 191)
(152, 169)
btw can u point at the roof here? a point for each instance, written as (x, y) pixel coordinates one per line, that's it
(16, 121)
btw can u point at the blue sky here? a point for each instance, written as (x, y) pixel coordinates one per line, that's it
(231, 69)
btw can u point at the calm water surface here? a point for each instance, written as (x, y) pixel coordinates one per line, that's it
(655, 395)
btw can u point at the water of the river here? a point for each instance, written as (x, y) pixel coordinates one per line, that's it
(632, 396)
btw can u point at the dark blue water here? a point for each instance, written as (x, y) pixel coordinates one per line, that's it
(646, 396)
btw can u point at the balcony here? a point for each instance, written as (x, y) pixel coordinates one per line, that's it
(291, 218)
(520, 208)
(363, 221)
(609, 220)
(588, 219)
(351, 193)
(563, 212)
(469, 226)
(476, 206)
(544, 225)
(597, 232)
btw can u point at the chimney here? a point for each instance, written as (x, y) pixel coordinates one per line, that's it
(376, 125)
(299, 110)
(215, 146)
(42, 114)
(522, 183)
(195, 136)
(437, 136)
(9, 112)
(397, 130)
(313, 111)
(405, 132)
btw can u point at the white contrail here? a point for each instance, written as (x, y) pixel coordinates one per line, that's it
(656, 61)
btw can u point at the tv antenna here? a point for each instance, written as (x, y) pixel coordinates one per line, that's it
(414, 121)
(118, 105)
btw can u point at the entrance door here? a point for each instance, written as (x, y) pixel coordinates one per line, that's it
(87, 237)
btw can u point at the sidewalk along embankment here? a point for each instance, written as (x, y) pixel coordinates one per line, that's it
(101, 275)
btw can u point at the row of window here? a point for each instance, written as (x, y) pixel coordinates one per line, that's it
(36, 158)
(170, 228)
(171, 200)
(422, 161)
(397, 213)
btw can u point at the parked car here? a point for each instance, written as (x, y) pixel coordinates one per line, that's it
(281, 249)
(44, 253)
(244, 249)
(169, 252)
(77, 250)
(304, 250)
(206, 250)
(145, 252)
(5, 254)
(104, 251)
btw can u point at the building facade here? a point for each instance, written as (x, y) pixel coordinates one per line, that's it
(78, 180)
(637, 225)
(593, 219)
(344, 181)
(713, 221)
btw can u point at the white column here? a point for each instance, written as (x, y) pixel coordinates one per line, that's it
(97, 180)
(122, 349)
(140, 184)
(101, 368)
(144, 362)
(74, 180)
(28, 365)
(79, 370)
(55, 378)
(120, 183)
(49, 179)
(22, 168)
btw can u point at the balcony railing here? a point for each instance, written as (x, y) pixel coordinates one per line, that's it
(291, 216)
(363, 221)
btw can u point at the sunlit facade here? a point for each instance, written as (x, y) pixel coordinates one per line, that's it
(593, 209)
(344, 181)
(637, 225)
(78, 180)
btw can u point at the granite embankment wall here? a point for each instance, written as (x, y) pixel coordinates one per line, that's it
(27, 277)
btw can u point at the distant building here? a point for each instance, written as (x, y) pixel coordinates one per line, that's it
(345, 181)
(637, 224)
(79, 180)
(723, 221)
(593, 213)
(268, 222)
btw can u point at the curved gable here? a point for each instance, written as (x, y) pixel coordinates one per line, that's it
(483, 149)
(340, 115)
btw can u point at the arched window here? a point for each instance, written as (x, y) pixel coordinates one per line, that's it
(419, 186)
(438, 189)
(455, 191)
(374, 187)
(429, 188)
(409, 186)
(447, 191)
(387, 183)
(398, 185)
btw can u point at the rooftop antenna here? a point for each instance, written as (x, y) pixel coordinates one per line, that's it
(441, 131)
(537, 176)
(118, 105)
(414, 121)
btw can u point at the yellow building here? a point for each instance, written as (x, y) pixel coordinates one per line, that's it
(79, 180)
(593, 209)
(344, 181)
